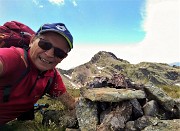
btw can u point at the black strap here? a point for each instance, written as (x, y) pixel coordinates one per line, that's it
(7, 89)
(34, 85)
(6, 93)
(48, 86)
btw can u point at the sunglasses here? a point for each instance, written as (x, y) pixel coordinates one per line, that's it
(45, 45)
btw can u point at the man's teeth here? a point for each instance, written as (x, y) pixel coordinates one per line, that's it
(45, 61)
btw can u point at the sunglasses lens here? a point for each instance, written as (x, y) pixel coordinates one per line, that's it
(47, 46)
(44, 45)
(59, 53)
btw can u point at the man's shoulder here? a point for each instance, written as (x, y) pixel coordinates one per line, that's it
(11, 50)
(11, 60)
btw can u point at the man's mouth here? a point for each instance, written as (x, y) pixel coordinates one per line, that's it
(45, 61)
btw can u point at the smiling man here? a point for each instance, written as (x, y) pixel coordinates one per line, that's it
(48, 47)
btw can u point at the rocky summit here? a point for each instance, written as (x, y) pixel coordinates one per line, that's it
(126, 108)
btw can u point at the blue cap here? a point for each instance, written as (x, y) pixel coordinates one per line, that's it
(59, 28)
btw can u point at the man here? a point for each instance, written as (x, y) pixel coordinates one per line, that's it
(48, 47)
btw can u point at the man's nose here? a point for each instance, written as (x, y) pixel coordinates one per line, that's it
(50, 52)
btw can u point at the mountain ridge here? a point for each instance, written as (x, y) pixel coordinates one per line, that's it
(106, 64)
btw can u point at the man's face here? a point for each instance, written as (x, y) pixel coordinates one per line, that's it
(46, 59)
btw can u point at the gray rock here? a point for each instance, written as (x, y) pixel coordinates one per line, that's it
(137, 110)
(147, 123)
(117, 118)
(160, 96)
(164, 125)
(151, 108)
(86, 112)
(144, 121)
(177, 108)
(111, 94)
(130, 126)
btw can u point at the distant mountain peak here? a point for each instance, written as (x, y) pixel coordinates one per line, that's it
(101, 55)
(175, 64)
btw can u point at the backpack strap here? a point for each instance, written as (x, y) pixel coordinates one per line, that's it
(7, 89)
(48, 86)
(6, 93)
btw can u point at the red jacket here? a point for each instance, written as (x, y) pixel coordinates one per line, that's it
(21, 98)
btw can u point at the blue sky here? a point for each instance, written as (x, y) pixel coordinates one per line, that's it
(90, 21)
(123, 27)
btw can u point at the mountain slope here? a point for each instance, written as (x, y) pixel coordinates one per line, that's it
(106, 64)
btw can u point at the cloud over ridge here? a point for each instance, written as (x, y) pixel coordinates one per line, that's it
(161, 43)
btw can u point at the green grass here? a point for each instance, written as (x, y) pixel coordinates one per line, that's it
(172, 91)
(31, 125)
(35, 125)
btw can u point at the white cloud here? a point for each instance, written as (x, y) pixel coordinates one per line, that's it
(161, 43)
(36, 2)
(54, 2)
(162, 26)
(41, 6)
(57, 2)
(74, 3)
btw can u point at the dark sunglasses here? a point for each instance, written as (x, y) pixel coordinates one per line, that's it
(45, 45)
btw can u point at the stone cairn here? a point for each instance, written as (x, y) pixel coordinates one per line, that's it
(117, 104)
